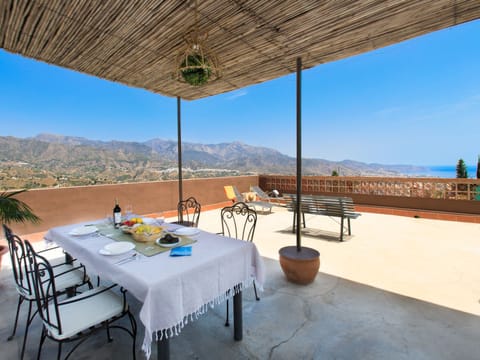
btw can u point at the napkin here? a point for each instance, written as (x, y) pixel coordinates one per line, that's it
(181, 251)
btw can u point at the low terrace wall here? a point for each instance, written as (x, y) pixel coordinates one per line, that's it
(86, 203)
(449, 195)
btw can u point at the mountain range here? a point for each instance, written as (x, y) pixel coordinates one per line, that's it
(71, 157)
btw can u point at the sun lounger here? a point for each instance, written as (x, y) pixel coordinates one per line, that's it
(235, 195)
(230, 193)
(262, 195)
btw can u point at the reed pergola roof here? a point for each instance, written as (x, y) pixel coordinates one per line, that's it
(135, 42)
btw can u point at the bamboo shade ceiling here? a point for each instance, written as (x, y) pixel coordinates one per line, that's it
(135, 42)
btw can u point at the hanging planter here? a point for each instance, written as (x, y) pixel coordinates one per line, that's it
(196, 64)
(195, 70)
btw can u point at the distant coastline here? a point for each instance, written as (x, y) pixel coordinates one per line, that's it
(446, 172)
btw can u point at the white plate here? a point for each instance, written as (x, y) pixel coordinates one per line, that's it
(186, 231)
(117, 248)
(83, 230)
(149, 221)
(167, 245)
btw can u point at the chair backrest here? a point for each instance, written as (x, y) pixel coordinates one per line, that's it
(189, 211)
(239, 221)
(20, 264)
(44, 288)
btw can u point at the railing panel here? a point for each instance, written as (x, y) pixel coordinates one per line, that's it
(434, 188)
(413, 192)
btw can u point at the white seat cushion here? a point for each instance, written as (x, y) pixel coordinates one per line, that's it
(69, 279)
(80, 315)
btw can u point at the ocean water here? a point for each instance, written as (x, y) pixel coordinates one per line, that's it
(445, 172)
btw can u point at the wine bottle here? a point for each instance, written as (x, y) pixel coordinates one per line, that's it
(117, 215)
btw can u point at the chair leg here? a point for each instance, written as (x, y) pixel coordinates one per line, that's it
(109, 338)
(255, 288)
(133, 323)
(19, 304)
(59, 353)
(42, 340)
(226, 321)
(29, 320)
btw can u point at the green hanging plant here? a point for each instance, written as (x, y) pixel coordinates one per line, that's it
(195, 70)
(14, 210)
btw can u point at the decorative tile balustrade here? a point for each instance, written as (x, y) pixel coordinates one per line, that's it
(432, 188)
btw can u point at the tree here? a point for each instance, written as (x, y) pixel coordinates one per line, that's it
(478, 167)
(461, 169)
(334, 173)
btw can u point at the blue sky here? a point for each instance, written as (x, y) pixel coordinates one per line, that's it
(417, 102)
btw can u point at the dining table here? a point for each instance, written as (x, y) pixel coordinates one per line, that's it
(173, 290)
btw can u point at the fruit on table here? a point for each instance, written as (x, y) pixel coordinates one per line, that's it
(148, 229)
(132, 222)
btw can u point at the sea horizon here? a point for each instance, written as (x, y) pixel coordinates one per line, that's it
(444, 171)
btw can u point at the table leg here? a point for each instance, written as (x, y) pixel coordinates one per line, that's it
(237, 317)
(69, 260)
(163, 349)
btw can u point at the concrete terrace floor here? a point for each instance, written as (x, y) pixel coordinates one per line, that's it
(398, 288)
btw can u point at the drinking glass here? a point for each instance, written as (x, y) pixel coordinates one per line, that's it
(160, 219)
(128, 211)
(108, 218)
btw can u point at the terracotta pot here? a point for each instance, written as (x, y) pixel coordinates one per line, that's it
(300, 267)
(3, 251)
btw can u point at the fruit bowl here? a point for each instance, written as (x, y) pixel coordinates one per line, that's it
(145, 237)
(128, 229)
(146, 233)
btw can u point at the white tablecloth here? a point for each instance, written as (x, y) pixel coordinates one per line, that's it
(173, 290)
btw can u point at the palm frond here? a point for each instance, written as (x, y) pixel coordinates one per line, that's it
(14, 210)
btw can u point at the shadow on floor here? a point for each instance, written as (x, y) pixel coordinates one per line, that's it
(318, 234)
(332, 318)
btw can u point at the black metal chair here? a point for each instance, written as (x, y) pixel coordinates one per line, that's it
(239, 222)
(68, 276)
(75, 318)
(188, 212)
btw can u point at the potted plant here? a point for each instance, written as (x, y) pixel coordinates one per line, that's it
(195, 70)
(14, 210)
